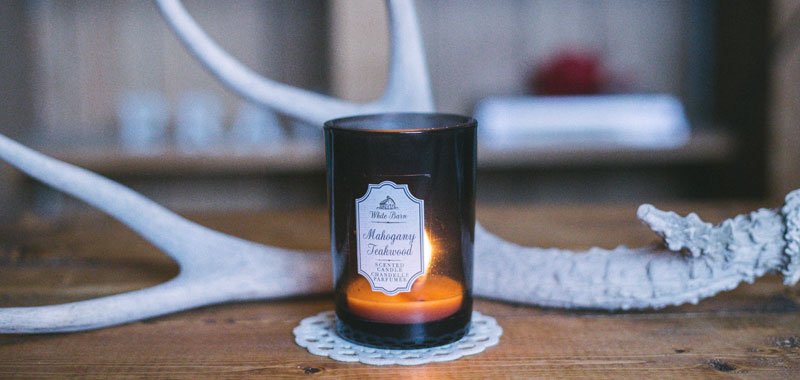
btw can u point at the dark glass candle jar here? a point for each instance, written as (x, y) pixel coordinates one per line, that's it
(401, 189)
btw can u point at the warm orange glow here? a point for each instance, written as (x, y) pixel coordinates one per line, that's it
(440, 298)
(432, 297)
(427, 252)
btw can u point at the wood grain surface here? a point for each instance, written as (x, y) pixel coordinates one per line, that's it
(753, 331)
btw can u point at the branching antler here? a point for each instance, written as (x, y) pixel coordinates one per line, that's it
(217, 268)
(716, 258)
(408, 87)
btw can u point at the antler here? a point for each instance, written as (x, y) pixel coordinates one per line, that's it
(217, 268)
(717, 258)
(408, 87)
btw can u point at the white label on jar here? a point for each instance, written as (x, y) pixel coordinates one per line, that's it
(389, 224)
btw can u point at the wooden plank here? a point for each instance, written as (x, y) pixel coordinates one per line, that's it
(254, 340)
(752, 331)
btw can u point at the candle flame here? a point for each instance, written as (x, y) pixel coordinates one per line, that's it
(427, 254)
(427, 251)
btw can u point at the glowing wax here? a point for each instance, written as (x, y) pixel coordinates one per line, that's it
(432, 298)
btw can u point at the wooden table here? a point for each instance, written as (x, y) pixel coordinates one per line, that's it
(751, 331)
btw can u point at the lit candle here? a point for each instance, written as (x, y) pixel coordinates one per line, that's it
(432, 297)
(402, 209)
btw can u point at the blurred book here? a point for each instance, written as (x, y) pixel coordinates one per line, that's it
(646, 121)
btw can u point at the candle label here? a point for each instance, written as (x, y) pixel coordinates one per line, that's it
(389, 224)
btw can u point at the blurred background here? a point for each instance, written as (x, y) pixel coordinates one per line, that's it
(577, 100)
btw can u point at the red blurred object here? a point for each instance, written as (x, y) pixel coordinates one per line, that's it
(569, 73)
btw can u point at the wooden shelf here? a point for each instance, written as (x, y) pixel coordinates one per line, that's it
(292, 157)
(302, 157)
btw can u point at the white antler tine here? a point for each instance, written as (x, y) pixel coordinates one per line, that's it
(224, 273)
(101, 312)
(408, 87)
(302, 104)
(144, 216)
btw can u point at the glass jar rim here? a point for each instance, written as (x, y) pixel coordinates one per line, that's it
(401, 122)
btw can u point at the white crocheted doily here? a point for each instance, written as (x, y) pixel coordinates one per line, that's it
(318, 334)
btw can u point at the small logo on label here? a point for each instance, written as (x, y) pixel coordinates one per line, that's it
(389, 224)
(387, 204)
